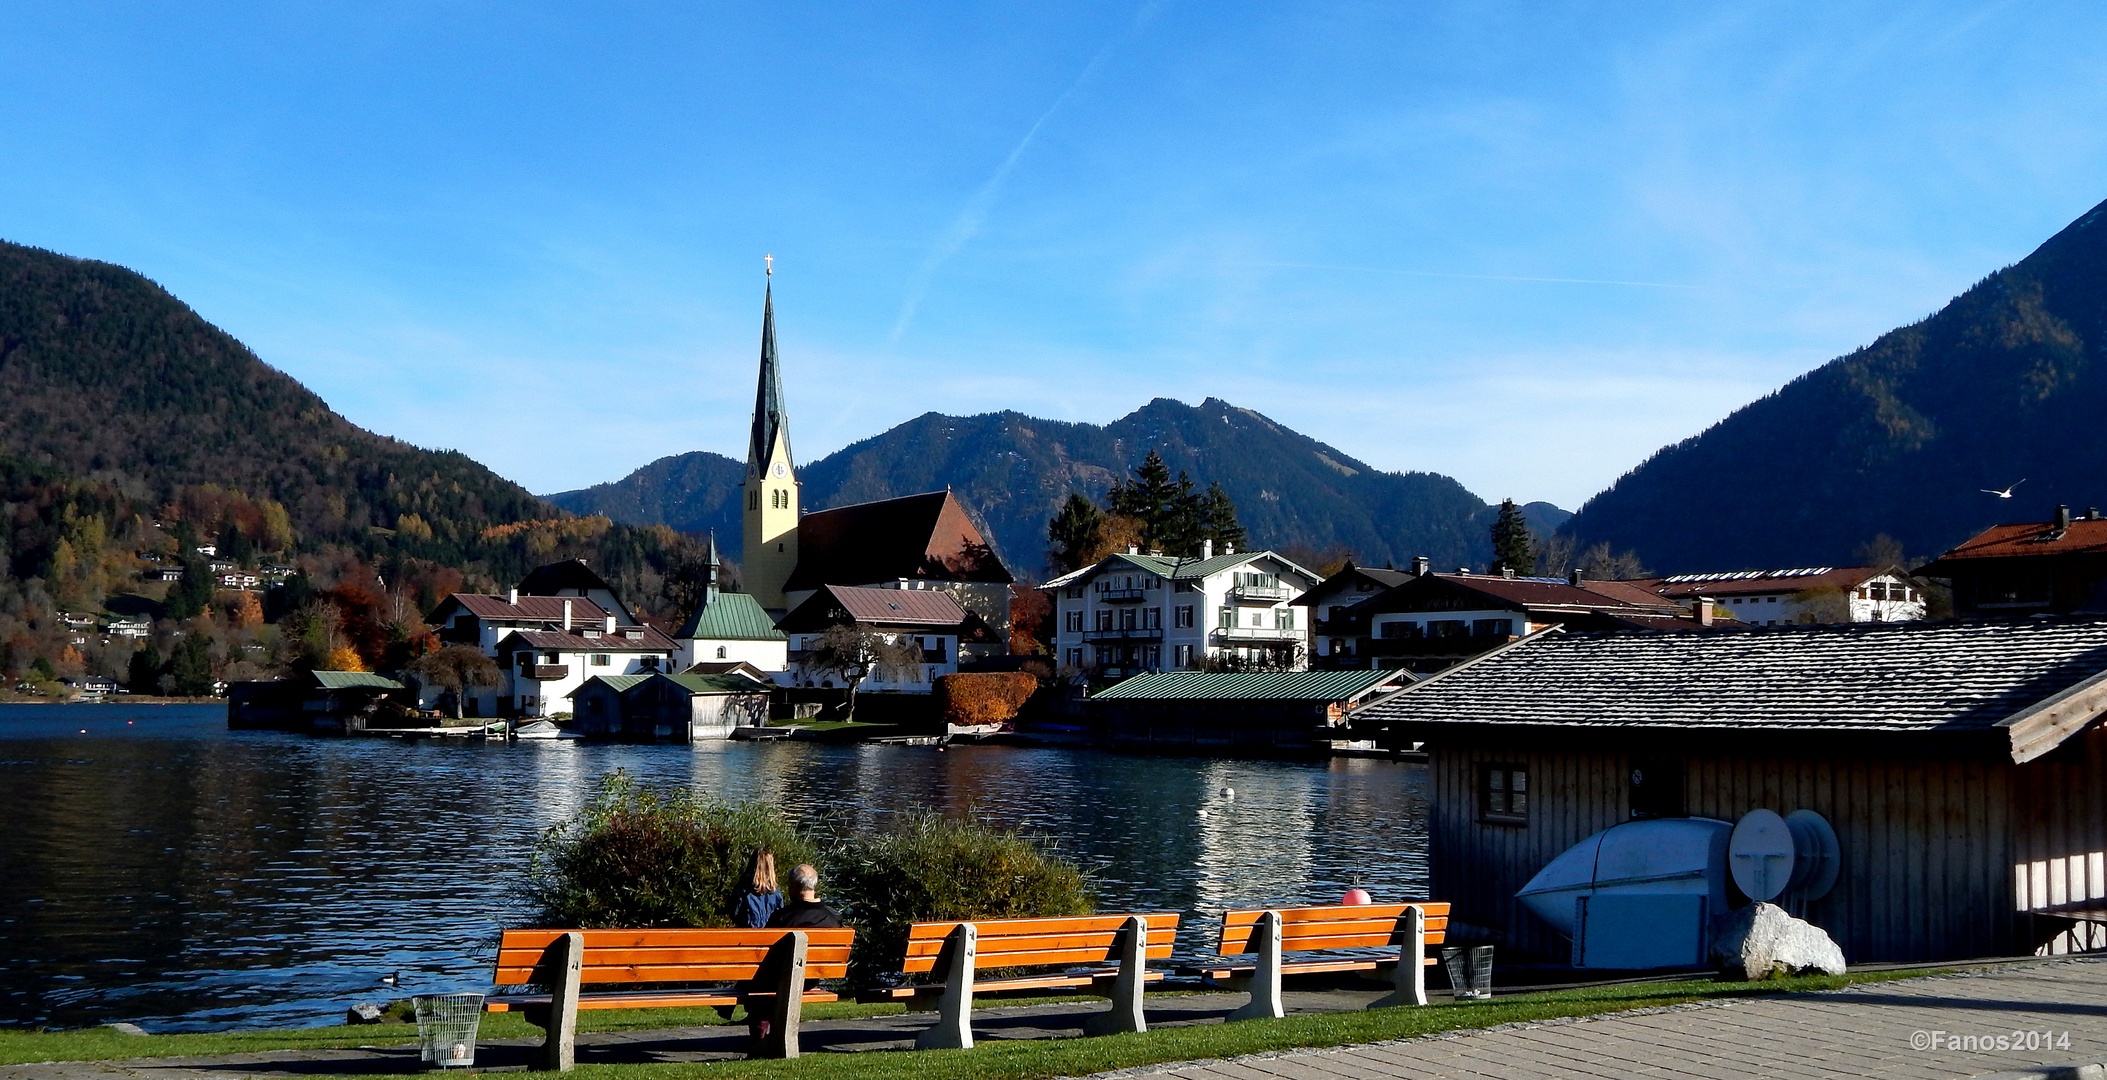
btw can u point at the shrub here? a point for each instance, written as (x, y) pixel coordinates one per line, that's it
(636, 858)
(983, 697)
(928, 869)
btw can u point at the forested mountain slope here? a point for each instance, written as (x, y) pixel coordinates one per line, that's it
(1290, 490)
(2007, 382)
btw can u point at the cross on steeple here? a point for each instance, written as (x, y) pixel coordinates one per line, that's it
(770, 260)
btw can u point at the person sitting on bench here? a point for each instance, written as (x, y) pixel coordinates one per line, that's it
(804, 911)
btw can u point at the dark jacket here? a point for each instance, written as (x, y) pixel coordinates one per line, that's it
(752, 910)
(805, 915)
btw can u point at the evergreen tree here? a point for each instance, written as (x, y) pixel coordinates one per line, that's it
(191, 594)
(1512, 546)
(143, 676)
(1151, 497)
(190, 669)
(1218, 519)
(1180, 530)
(1074, 533)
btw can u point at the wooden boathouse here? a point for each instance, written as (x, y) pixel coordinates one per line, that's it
(1962, 764)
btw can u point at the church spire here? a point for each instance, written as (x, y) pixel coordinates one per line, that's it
(710, 564)
(769, 417)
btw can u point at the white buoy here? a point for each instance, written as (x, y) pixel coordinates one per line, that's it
(1203, 813)
(1229, 793)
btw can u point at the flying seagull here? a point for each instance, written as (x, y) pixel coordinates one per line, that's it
(2005, 494)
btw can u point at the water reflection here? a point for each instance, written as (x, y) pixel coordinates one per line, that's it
(162, 870)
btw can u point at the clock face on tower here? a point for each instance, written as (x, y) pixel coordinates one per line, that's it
(778, 469)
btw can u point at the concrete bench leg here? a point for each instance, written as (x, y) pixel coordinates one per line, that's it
(954, 1015)
(560, 967)
(786, 963)
(1125, 1014)
(1410, 978)
(1264, 983)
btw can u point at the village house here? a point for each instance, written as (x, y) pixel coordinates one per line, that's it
(668, 708)
(482, 620)
(571, 577)
(1430, 621)
(1961, 765)
(932, 623)
(239, 581)
(1132, 613)
(540, 668)
(1810, 594)
(2018, 570)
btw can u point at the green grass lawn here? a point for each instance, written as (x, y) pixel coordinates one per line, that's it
(1020, 1060)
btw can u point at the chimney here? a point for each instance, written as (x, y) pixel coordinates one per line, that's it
(1576, 577)
(1207, 548)
(1506, 571)
(512, 598)
(1133, 549)
(1228, 548)
(1702, 608)
(610, 624)
(2092, 513)
(2062, 516)
(1421, 566)
(566, 616)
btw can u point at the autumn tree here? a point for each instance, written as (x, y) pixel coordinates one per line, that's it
(454, 669)
(854, 653)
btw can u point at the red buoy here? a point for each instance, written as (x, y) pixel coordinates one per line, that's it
(1357, 895)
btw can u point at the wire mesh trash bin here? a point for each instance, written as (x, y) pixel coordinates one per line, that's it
(1470, 971)
(446, 1028)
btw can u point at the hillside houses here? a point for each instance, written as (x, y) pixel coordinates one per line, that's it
(1811, 594)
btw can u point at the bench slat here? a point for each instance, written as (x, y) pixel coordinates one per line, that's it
(659, 1000)
(675, 955)
(1346, 926)
(1307, 967)
(671, 938)
(1067, 924)
(1030, 942)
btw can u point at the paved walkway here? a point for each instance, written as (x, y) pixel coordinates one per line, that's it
(1869, 1031)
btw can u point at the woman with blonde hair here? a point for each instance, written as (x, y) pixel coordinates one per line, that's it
(757, 898)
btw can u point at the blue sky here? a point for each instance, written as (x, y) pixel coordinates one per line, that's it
(1521, 244)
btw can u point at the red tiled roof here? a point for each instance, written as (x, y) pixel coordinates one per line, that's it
(529, 609)
(2083, 537)
(650, 641)
(1556, 593)
(876, 607)
(919, 537)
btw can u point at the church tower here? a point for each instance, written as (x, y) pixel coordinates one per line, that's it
(770, 551)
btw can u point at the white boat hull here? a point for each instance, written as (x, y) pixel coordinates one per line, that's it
(1658, 856)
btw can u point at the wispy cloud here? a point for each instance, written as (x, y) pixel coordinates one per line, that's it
(975, 213)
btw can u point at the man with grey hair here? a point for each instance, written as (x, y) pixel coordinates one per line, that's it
(804, 911)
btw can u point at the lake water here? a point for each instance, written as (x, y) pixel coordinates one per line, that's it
(157, 868)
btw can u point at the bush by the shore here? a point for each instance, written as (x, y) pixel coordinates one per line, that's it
(639, 858)
(929, 868)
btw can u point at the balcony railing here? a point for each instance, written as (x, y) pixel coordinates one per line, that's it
(1340, 626)
(1267, 593)
(1257, 633)
(1122, 596)
(1129, 633)
(546, 672)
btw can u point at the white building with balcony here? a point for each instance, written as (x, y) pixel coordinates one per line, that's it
(1133, 613)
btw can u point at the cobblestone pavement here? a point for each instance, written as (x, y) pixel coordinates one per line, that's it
(1915, 1028)
(1918, 1028)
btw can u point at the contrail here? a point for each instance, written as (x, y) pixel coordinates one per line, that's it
(1469, 277)
(969, 220)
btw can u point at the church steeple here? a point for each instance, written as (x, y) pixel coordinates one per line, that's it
(769, 418)
(769, 553)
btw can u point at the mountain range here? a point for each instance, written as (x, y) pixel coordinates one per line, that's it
(1292, 492)
(1906, 437)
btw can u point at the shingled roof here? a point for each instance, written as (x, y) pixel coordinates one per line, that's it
(925, 537)
(534, 609)
(2039, 680)
(1759, 582)
(650, 641)
(2083, 536)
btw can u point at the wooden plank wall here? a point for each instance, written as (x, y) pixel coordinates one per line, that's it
(1927, 856)
(2059, 834)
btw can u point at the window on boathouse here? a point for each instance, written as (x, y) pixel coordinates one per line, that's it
(1503, 794)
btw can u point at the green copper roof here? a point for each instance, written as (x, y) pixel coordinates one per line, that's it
(616, 683)
(731, 617)
(1245, 685)
(719, 684)
(345, 680)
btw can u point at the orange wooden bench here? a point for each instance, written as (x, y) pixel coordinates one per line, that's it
(1409, 928)
(960, 949)
(777, 962)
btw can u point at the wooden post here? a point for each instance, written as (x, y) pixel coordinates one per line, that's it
(786, 965)
(954, 1016)
(1265, 982)
(1409, 981)
(561, 965)
(1132, 947)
